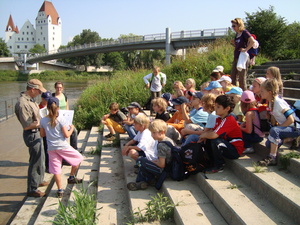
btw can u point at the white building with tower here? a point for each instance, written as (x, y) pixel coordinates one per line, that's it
(47, 31)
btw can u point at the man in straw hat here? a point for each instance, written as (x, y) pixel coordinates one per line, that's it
(27, 112)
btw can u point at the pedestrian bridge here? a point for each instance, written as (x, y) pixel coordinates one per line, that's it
(171, 42)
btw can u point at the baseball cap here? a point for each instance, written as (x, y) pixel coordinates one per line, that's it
(226, 78)
(134, 105)
(247, 97)
(37, 84)
(196, 94)
(53, 100)
(180, 100)
(260, 80)
(212, 85)
(168, 98)
(235, 90)
(219, 69)
(46, 95)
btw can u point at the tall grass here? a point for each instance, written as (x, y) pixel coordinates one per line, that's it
(127, 86)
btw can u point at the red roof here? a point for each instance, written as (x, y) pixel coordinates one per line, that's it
(49, 10)
(11, 24)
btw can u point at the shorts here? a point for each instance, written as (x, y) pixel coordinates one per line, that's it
(72, 156)
(141, 153)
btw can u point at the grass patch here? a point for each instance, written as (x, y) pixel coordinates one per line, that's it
(234, 186)
(81, 211)
(258, 168)
(160, 208)
(285, 159)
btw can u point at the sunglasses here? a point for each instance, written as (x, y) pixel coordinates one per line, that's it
(233, 26)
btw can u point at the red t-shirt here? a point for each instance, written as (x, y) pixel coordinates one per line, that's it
(229, 130)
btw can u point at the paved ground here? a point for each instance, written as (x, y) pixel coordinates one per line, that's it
(13, 168)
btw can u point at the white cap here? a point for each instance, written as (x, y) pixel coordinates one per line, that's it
(219, 69)
(224, 77)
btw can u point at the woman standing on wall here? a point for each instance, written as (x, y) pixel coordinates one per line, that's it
(242, 42)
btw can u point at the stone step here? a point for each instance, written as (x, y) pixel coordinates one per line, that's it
(279, 65)
(260, 70)
(237, 202)
(291, 83)
(282, 62)
(279, 187)
(284, 76)
(112, 197)
(291, 92)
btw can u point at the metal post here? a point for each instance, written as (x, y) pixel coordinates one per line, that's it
(25, 59)
(168, 46)
(6, 112)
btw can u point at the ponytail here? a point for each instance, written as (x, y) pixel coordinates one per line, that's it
(53, 113)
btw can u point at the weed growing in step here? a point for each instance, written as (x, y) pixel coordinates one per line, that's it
(160, 208)
(285, 159)
(81, 211)
(234, 186)
(258, 168)
(96, 151)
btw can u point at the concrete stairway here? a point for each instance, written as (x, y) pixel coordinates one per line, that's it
(235, 196)
(290, 73)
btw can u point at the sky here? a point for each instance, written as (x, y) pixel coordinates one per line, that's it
(111, 18)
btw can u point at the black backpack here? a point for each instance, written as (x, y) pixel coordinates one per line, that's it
(265, 124)
(195, 158)
(175, 168)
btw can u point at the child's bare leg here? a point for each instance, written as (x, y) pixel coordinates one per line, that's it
(273, 149)
(133, 154)
(111, 129)
(57, 178)
(73, 170)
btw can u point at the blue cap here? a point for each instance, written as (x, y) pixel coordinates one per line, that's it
(212, 85)
(167, 96)
(196, 94)
(235, 90)
(53, 100)
(180, 100)
(46, 95)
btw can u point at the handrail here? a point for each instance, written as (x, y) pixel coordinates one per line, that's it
(7, 108)
(139, 39)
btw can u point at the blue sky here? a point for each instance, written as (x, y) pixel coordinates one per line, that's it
(110, 18)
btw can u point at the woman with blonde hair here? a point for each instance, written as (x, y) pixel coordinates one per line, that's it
(242, 42)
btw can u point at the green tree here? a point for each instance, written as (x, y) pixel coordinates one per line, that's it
(115, 60)
(292, 36)
(37, 49)
(4, 52)
(270, 31)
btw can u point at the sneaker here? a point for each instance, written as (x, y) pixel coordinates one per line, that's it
(215, 170)
(133, 186)
(108, 135)
(269, 161)
(60, 193)
(45, 183)
(74, 180)
(113, 137)
(248, 150)
(36, 194)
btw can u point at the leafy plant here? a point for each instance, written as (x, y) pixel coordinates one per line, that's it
(285, 159)
(234, 186)
(81, 211)
(160, 208)
(258, 168)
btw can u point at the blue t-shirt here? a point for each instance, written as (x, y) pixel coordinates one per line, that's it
(211, 121)
(198, 116)
(55, 137)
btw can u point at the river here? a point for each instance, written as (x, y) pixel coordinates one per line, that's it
(10, 90)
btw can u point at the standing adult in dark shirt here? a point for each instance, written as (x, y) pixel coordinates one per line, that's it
(27, 112)
(242, 42)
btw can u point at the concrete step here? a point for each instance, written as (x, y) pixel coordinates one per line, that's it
(279, 65)
(237, 202)
(279, 187)
(284, 76)
(291, 83)
(260, 70)
(291, 92)
(282, 62)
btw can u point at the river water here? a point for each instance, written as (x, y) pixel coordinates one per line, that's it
(10, 90)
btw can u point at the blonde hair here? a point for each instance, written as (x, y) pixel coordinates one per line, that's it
(158, 125)
(191, 81)
(239, 22)
(114, 106)
(160, 102)
(204, 85)
(179, 89)
(143, 120)
(209, 101)
(272, 86)
(275, 71)
(52, 113)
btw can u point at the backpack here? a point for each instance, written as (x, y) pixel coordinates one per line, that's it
(175, 168)
(152, 76)
(293, 110)
(195, 158)
(265, 124)
(254, 50)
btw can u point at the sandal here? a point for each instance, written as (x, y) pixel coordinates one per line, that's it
(133, 186)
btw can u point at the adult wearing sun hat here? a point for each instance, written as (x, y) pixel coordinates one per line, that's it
(27, 112)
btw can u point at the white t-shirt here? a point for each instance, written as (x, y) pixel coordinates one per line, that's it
(147, 144)
(55, 138)
(157, 80)
(279, 106)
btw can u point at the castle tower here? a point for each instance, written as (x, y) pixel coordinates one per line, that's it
(10, 32)
(48, 27)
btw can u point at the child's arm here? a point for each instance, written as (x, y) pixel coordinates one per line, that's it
(185, 131)
(104, 118)
(184, 112)
(67, 133)
(42, 132)
(160, 162)
(247, 127)
(209, 135)
(289, 120)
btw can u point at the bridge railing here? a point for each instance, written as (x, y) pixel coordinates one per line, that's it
(145, 38)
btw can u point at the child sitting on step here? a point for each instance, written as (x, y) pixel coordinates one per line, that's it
(159, 106)
(57, 131)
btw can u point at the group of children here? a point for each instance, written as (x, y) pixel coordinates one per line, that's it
(223, 117)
